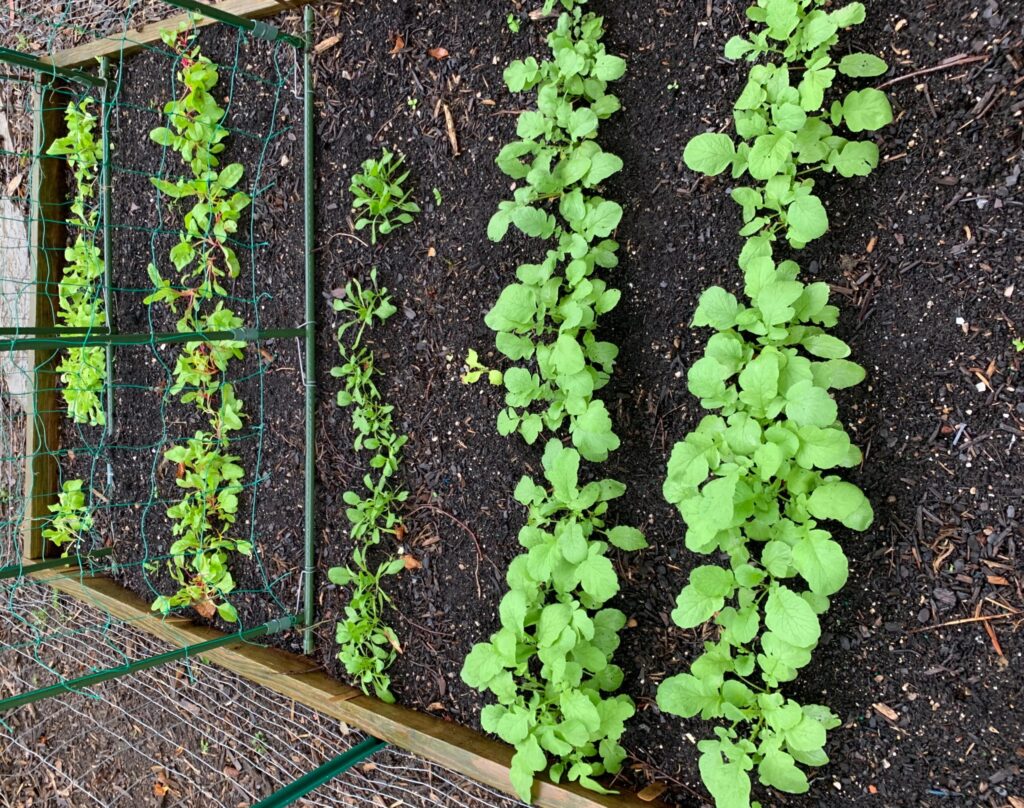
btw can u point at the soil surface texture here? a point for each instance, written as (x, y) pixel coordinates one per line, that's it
(922, 652)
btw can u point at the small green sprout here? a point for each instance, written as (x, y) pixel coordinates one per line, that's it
(513, 23)
(438, 197)
(475, 371)
(381, 199)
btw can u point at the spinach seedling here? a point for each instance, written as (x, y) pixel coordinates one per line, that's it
(381, 200)
(368, 644)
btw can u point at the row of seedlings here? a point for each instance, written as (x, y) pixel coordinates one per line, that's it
(550, 667)
(80, 306)
(80, 299)
(756, 480)
(208, 474)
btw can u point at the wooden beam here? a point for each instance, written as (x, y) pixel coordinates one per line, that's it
(449, 745)
(134, 40)
(48, 235)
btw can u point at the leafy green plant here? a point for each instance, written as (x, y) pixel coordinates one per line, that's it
(1019, 344)
(368, 644)
(785, 131)
(72, 518)
(549, 318)
(80, 303)
(381, 200)
(549, 667)
(475, 371)
(756, 480)
(512, 21)
(204, 259)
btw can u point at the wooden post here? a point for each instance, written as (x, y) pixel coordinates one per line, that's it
(134, 40)
(48, 234)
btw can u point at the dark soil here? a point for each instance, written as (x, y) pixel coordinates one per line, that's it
(925, 260)
(931, 237)
(266, 138)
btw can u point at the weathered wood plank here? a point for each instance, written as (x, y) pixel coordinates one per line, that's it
(449, 745)
(134, 40)
(48, 235)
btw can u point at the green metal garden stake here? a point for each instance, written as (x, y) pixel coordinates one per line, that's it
(312, 781)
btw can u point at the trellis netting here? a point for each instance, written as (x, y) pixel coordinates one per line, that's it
(143, 350)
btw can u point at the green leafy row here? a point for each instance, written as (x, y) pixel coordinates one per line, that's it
(550, 665)
(210, 477)
(785, 131)
(368, 643)
(550, 316)
(80, 302)
(756, 480)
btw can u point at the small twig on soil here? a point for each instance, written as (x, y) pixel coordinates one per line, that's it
(980, 619)
(453, 138)
(472, 535)
(343, 235)
(957, 61)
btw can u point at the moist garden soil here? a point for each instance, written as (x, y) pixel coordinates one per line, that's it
(924, 257)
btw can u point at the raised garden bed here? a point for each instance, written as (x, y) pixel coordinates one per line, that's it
(918, 652)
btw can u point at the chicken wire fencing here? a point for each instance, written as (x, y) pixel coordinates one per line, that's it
(187, 735)
(154, 234)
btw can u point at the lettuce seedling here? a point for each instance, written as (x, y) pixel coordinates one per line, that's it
(71, 520)
(368, 644)
(786, 133)
(80, 302)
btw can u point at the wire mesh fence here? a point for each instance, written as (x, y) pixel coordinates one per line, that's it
(188, 735)
(152, 382)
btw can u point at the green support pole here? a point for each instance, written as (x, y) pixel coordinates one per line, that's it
(260, 30)
(162, 338)
(74, 685)
(19, 571)
(19, 59)
(308, 639)
(108, 252)
(312, 781)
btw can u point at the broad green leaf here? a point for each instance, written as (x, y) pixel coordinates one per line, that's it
(626, 538)
(867, 110)
(598, 578)
(809, 405)
(709, 153)
(821, 562)
(862, 65)
(592, 433)
(728, 782)
(778, 770)
(685, 695)
(759, 381)
(843, 502)
(687, 468)
(515, 309)
(717, 308)
(807, 219)
(788, 615)
(856, 159)
(770, 154)
(837, 374)
(609, 68)
(603, 166)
